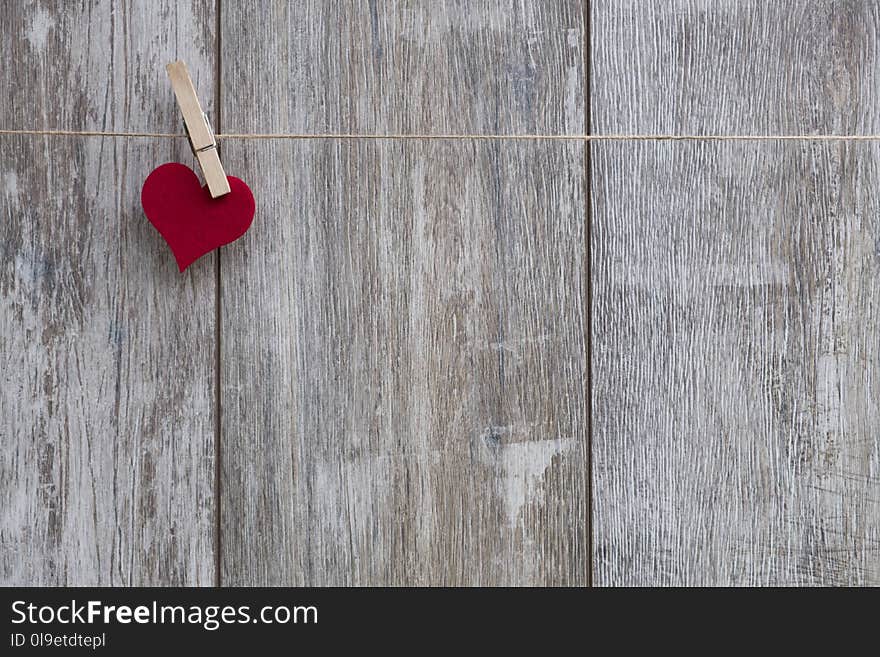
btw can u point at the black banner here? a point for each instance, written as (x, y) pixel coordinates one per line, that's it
(122, 621)
(116, 621)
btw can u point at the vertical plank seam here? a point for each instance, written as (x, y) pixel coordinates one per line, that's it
(218, 535)
(588, 274)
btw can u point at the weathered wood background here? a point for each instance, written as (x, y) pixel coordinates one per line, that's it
(445, 362)
(736, 295)
(107, 409)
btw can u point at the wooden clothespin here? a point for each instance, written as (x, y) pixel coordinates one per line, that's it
(201, 137)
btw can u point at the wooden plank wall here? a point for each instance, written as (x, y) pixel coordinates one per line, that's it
(107, 405)
(403, 354)
(736, 295)
(393, 366)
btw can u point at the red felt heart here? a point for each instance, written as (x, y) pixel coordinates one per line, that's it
(188, 218)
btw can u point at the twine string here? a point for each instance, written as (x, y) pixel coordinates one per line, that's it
(488, 137)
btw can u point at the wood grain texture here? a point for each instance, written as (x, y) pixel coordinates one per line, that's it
(106, 352)
(735, 66)
(736, 296)
(403, 379)
(442, 66)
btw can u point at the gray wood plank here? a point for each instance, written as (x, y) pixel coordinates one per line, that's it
(403, 379)
(483, 66)
(106, 352)
(735, 66)
(736, 296)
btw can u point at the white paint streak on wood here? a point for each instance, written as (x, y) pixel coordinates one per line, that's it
(522, 466)
(38, 33)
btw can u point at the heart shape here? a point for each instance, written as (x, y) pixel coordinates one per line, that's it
(190, 221)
